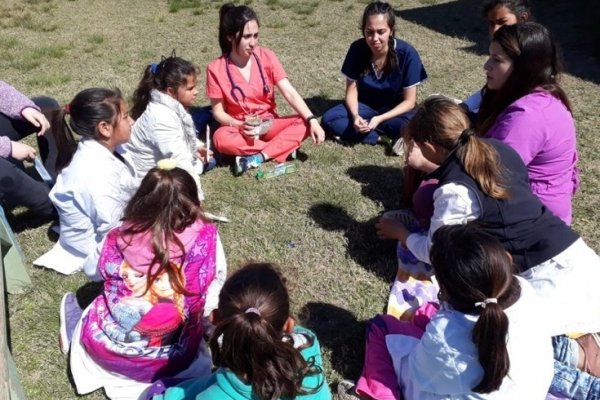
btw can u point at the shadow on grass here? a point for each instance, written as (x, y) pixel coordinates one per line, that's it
(364, 247)
(319, 104)
(380, 184)
(340, 331)
(22, 221)
(573, 24)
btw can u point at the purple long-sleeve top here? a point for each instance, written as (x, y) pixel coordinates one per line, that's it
(541, 129)
(13, 102)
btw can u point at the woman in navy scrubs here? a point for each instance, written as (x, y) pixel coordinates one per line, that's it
(382, 74)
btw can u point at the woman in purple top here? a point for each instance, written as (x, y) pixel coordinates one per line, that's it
(525, 107)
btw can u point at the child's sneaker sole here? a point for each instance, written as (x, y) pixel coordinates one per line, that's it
(63, 336)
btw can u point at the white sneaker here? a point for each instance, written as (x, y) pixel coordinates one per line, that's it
(70, 314)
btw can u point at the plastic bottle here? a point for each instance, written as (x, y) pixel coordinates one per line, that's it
(279, 169)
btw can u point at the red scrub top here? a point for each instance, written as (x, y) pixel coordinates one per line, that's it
(255, 101)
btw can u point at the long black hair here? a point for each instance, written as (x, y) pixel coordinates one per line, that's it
(383, 8)
(537, 65)
(81, 117)
(172, 72)
(249, 339)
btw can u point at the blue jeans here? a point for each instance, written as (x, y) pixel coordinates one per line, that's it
(337, 121)
(569, 381)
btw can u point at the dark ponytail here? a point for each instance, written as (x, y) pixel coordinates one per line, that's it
(171, 72)
(383, 8)
(88, 108)
(442, 122)
(249, 338)
(476, 277)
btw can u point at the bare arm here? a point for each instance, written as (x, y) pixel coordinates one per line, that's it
(360, 124)
(299, 105)
(222, 116)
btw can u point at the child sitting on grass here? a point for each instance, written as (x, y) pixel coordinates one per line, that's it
(259, 350)
(490, 339)
(164, 127)
(162, 270)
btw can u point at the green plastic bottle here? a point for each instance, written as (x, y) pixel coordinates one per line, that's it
(278, 170)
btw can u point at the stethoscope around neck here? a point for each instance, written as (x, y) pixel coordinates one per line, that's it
(235, 87)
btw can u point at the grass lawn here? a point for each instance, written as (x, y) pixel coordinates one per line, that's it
(317, 223)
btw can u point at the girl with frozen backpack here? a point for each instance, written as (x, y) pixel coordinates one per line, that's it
(163, 269)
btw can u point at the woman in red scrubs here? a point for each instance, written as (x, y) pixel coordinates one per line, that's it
(240, 85)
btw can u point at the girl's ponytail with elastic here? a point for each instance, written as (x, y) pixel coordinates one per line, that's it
(489, 335)
(476, 276)
(141, 95)
(442, 122)
(482, 163)
(249, 338)
(66, 143)
(81, 117)
(170, 72)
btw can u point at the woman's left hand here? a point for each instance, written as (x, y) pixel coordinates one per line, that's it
(374, 122)
(36, 119)
(316, 132)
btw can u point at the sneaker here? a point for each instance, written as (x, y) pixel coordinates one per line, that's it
(346, 390)
(590, 344)
(237, 166)
(70, 314)
(399, 148)
(243, 164)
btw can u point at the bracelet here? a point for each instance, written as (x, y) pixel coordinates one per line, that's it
(310, 118)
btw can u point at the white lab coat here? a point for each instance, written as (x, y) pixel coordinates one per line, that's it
(90, 195)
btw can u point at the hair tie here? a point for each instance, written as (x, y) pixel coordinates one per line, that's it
(166, 164)
(252, 310)
(465, 135)
(487, 301)
(154, 68)
(67, 108)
